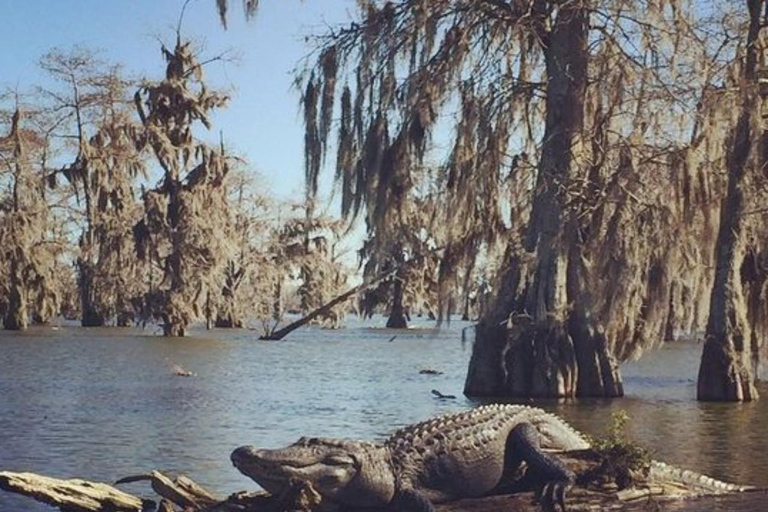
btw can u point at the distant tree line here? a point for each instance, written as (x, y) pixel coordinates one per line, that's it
(113, 211)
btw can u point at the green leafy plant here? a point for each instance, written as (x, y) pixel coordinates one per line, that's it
(622, 459)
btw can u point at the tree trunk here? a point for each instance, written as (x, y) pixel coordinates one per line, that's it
(730, 355)
(228, 321)
(537, 340)
(277, 301)
(16, 316)
(175, 317)
(229, 314)
(173, 327)
(124, 319)
(209, 320)
(465, 309)
(91, 316)
(397, 314)
(467, 289)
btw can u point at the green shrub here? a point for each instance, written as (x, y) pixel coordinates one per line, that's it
(622, 459)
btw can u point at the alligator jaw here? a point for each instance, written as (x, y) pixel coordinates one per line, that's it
(250, 461)
(354, 473)
(327, 468)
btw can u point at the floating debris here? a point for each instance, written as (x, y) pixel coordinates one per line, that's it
(180, 371)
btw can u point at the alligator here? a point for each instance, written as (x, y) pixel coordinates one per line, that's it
(460, 455)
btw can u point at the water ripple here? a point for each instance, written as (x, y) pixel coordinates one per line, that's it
(103, 403)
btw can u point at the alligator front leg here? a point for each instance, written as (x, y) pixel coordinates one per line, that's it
(523, 444)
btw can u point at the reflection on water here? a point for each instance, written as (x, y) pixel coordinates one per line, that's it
(104, 403)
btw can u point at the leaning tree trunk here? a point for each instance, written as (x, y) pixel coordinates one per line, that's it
(729, 359)
(537, 339)
(16, 316)
(397, 318)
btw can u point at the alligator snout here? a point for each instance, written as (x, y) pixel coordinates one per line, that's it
(243, 455)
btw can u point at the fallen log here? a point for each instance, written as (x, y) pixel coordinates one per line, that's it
(322, 310)
(580, 500)
(166, 506)
(327, 307)
(73, 495)
(594, 490)
(182, 491)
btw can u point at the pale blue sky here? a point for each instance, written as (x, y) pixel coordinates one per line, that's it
(262, 120)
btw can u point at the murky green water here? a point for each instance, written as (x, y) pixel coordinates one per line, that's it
(103, 403)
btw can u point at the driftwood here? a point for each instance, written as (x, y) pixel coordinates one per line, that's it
(182, 491)
(594, 491)
(73, 495)
(580, 500)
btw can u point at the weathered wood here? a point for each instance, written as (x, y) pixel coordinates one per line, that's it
(181, 491)
(191, 487)
(580, 500)
(72, 495)
(166, 506)
(298, 498)
(594, 491)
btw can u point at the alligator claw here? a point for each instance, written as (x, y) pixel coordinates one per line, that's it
(561, 489)
(552, 494)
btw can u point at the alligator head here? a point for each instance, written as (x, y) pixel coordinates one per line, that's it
(349, 472)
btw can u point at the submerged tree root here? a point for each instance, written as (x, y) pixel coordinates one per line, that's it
(596, 489)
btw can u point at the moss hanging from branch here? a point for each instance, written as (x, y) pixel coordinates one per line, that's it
(30, 289)
(473, 85)
(184, 213)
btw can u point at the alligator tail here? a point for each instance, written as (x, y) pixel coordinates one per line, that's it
(666, 474)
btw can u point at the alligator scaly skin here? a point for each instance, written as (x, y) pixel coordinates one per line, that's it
(697, 482)
(462, 454)
(453, 456)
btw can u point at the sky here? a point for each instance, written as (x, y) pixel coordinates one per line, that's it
(262, 121)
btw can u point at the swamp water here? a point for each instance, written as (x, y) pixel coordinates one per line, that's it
(102, 404)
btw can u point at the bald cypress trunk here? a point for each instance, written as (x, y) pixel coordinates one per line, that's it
(537, 339)
(729, 360)
(91, 315)
(397, 318)
(175, 319)
(16, 316)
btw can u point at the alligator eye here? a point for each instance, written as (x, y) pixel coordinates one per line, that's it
(340, 460)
